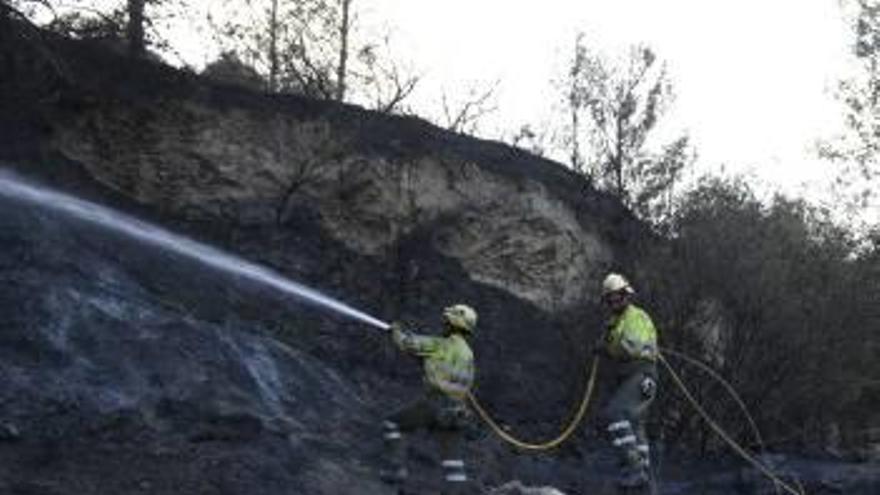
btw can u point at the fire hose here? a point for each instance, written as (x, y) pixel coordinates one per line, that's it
(572, 425)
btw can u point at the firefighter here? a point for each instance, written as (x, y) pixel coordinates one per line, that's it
(630, 344)
(448, 365)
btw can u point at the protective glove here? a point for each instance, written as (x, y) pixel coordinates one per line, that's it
(599, 347)
(396, 328)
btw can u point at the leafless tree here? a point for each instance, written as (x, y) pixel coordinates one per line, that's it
(382, 80)
(307, 47)
(306, 150)
(466, 115)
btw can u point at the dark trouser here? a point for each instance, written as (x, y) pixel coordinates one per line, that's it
(445, 418)
(624, 417)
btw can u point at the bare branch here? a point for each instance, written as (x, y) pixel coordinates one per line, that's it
(402, 89)
(465, 118)
(307, 158)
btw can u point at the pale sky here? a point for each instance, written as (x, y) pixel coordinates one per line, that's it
(753, 78)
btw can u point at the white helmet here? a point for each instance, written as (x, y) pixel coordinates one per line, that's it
(615, 282)
(461, 316)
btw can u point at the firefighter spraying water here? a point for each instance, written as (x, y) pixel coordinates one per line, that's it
(629, 344)
(448, 364)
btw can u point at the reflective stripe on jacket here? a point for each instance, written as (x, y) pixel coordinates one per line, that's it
(631, 335)
(448, 361)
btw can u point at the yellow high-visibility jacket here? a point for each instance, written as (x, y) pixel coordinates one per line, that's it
(631, 336)
(448, 361)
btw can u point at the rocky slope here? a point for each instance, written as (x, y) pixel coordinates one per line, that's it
(388, 213)
(108, 388)
(261, 164)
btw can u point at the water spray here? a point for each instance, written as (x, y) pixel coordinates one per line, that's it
(14, 187)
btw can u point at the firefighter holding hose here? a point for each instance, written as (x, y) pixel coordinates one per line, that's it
(448, 366)
(630, 344)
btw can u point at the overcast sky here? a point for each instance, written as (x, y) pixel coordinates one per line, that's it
(754, 78)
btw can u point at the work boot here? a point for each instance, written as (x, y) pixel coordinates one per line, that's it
(634, 482)
(642, 490)
(394, 472)
(394, 475)
(455, 479)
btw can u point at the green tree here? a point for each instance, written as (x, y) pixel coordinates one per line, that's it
(795, 301)
(652, 193)
(613, 106)
(858, 150)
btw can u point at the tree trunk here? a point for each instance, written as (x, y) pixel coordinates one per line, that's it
(273, 48)
(617, 161)
(6, 41)
(5, 24)
(4, 16)
(135, 28)
(576, 160)
(341, 69)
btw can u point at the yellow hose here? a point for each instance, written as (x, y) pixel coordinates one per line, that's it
(550, 444)
(584, 405)
(730, 390)
(724, 436)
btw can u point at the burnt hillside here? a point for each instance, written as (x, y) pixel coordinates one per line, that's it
(123, 358)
